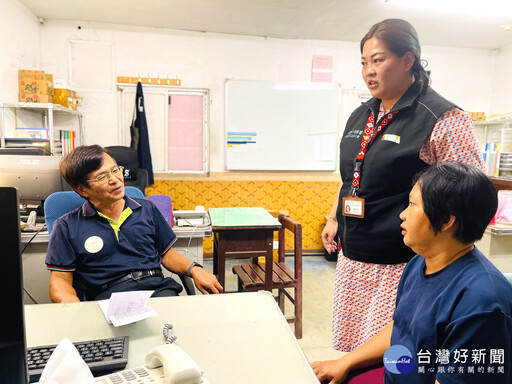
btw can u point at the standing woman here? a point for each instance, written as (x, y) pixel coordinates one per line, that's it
(405, 127)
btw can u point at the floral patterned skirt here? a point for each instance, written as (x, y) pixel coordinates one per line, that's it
(364, 300)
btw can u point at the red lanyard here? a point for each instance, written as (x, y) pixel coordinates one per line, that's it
(368, 135)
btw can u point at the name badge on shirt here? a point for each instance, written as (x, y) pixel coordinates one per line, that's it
(353, 206)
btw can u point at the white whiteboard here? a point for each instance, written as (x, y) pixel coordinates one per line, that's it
(282, 126)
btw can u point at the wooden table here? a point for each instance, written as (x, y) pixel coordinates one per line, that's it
(242, 233)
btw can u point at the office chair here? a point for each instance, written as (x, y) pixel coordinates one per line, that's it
(133, 175)
(59, 203)
(62, 202)
(164, 205)
(251, 277)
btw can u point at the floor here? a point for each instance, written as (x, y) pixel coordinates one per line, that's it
(318, 287)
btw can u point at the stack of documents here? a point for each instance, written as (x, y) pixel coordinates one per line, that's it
(127, 307)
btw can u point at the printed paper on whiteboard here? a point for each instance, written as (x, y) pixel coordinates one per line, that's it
(323, 149)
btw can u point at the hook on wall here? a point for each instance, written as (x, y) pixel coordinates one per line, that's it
(148, 80)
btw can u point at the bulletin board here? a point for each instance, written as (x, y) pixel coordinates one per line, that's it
(282, 126)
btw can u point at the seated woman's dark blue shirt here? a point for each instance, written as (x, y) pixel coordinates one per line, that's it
(456, 322)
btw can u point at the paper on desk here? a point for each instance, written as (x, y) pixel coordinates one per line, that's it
(127, 307)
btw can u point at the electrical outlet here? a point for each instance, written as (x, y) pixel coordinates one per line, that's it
(276, 244)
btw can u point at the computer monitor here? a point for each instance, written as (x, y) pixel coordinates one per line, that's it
(35, 177)
(13, 355)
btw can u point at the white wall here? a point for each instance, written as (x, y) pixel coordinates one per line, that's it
(203, 60)
(463, 76)
(502, 84)
(19, 46)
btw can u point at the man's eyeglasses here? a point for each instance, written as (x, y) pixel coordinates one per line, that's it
(102, 178)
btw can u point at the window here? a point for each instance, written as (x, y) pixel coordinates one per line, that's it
(177, 125)
(186, 133)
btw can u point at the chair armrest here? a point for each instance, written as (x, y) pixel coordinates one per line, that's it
(188, 284)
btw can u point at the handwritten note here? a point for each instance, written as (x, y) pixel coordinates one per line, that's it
(127, 307)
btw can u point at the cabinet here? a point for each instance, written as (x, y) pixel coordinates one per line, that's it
(496, 139)
(51, 127)
(490, 131)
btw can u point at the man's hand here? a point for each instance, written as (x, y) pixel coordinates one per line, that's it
(205, 281)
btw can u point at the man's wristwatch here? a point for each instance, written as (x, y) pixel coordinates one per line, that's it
(194, 264)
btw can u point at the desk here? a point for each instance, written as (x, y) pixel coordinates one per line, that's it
(496, 244)
(235, 338)
(242, 233)
(36, 278)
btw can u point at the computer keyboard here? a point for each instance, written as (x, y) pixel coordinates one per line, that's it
(102, 356)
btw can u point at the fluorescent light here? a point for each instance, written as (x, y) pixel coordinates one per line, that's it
(302, 86)
(493, 9)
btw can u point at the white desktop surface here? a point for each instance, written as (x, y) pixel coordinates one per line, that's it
(235, 338)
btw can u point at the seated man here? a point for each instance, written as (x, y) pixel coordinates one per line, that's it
(112, 243)
(452, 322)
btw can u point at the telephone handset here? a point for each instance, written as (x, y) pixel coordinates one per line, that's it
(178, 368)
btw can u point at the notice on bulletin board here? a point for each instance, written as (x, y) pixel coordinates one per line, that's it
(322, 68)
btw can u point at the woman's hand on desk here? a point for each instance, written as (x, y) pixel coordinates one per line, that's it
(205, 281)
(334, 370)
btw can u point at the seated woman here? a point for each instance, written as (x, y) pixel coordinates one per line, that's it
(452, 322)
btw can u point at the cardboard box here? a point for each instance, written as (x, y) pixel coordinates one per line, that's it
(63, 97)
(32, 82)
(477, 116)
(49, 83)
(35, 98)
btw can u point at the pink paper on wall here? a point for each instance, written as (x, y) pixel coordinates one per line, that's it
(185, 132)
(322, 68)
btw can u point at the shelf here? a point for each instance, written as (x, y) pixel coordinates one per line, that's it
(53, 118)
(500, 229)
(41, 106)
(492, 122)
(502, 182)
(20, 139)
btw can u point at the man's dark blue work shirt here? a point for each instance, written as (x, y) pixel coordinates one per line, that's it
(86, 244)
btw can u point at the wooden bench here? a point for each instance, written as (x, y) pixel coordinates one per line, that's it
(251, 277)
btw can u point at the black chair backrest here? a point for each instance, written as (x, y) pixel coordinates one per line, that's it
(141, 182)
(127, 157)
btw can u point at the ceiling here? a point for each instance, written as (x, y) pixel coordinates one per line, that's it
(344, 20)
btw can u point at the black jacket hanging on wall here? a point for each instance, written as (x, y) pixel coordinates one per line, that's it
(140, 136)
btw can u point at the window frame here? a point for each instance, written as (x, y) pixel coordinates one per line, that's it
(125, 109)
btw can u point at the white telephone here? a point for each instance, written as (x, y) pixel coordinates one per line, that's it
(178, 368)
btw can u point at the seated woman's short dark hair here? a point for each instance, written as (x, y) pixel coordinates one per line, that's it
(460, 190)
(75, 166)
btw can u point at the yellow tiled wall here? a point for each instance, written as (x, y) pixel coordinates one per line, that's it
(306, 201)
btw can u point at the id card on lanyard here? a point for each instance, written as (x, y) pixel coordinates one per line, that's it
(353, 205)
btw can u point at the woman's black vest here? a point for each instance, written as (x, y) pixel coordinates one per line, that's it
(391, 161)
